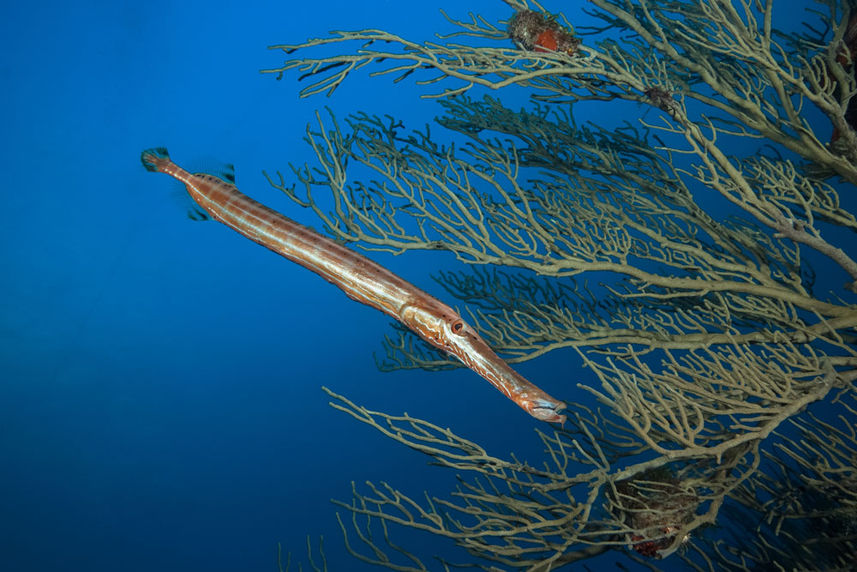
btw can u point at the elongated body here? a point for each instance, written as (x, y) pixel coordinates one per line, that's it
(361, 279)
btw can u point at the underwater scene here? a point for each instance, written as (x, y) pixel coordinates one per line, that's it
(429, 286)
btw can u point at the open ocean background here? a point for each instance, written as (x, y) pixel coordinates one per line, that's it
(160, 401)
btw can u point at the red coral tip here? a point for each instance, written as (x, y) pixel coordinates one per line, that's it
(547, 41)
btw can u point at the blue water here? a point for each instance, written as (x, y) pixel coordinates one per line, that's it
(160, 401)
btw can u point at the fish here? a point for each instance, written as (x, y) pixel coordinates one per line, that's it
(360, 278)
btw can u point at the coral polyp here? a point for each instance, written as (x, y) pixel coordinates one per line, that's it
(655, 505)
(540, 32)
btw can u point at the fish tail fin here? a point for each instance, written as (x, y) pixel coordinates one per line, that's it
(155, 159)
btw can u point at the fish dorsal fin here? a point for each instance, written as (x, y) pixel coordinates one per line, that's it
(223, 171)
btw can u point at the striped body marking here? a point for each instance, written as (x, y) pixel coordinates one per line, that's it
(361, 279)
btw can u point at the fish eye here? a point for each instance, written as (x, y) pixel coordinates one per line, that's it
(457, 326)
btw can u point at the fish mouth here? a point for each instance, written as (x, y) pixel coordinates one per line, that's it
(547, 411)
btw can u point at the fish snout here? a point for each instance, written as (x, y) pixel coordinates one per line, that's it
(546, 410)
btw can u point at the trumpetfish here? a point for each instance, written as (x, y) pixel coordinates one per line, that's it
(360, 278)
